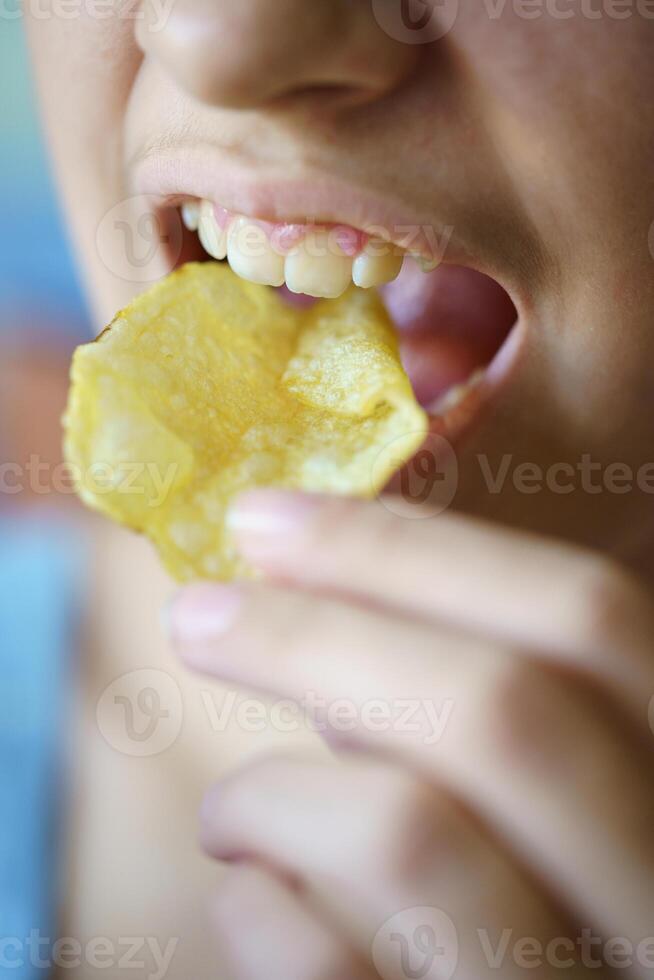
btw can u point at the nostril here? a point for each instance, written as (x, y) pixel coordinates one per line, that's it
(246, 79)
(261, 52)
(326, 98)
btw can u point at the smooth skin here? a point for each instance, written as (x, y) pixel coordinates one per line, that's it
(531, 613)
(530, 812)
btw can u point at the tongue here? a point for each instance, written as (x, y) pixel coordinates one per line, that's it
(451, 321)
(298, 300)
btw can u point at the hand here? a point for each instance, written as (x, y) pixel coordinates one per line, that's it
(515, 801)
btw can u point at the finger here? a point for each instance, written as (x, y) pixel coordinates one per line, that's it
(265, 931)
(539, 759)
(387, 858)
(562, 601)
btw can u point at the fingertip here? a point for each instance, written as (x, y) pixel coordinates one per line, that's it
(200, 612)
(272, 514)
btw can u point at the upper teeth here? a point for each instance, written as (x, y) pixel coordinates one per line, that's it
(191, 214)
(373, 270)
(315, 269)
(251, 255)
(315, 265)
(212, 236)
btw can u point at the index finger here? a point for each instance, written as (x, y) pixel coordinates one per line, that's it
(524, 589)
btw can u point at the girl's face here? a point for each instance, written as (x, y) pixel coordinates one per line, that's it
(511, 138)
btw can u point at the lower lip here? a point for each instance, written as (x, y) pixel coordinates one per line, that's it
(457, 421)
(448, 429)
(453, 323)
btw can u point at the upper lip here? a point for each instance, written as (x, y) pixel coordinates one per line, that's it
(169, 175)
(247, 186)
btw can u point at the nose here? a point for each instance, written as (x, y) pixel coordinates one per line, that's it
(247, 53)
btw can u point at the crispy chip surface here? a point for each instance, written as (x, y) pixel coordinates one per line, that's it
(208, 385)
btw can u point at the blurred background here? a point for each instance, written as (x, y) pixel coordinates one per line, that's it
(42, 315)
(42, 541)
(38, 288)
(84, 850)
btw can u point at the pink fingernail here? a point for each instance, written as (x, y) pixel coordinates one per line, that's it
(272, 513)
(202, 611)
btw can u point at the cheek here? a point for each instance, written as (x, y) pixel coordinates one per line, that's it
(554, 117)
(84, 69)
(540, 57)
(83, 47)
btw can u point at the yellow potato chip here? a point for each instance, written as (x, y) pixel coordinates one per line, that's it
(208, 385)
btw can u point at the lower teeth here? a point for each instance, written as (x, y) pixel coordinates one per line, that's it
(457, 394)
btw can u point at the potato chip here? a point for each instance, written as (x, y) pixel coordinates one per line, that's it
(207, 385)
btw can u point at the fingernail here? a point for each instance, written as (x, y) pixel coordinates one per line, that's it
(272, 513)
(201, 611)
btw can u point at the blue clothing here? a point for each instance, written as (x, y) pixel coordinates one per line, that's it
(41, 563)
(41, 560)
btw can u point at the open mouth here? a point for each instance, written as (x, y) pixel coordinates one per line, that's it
(457, 326)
